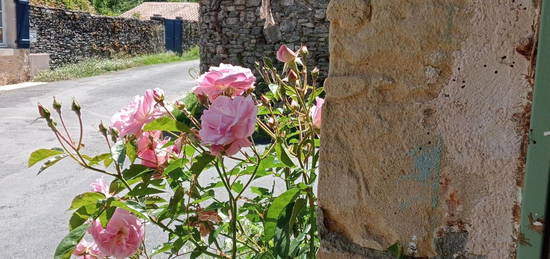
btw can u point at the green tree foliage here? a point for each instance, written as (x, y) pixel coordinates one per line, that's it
(103, 7)
(79, 5)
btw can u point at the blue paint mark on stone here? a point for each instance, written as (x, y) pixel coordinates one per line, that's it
(427, 165)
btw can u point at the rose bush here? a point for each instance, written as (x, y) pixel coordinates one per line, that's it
(196, 178)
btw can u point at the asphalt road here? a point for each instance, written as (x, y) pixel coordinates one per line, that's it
(33, 209)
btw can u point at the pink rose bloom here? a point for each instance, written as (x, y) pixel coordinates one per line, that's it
(141, 110)
(228, 123)
(225, 80)
(151, 149)
(284, 54)
(100, 186)
(317, 111)
(122, 237)
(87, 250)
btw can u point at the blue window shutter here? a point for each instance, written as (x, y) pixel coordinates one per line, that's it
(22, 10)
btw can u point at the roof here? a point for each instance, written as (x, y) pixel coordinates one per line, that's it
(168, 10)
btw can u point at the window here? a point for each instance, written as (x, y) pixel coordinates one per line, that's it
(2, 24)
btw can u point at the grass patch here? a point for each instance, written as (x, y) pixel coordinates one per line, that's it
(94, 67)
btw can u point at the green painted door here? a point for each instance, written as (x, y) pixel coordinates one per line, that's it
(535, 189)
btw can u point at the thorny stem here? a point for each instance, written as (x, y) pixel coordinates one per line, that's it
(64, 126)
(81, 132)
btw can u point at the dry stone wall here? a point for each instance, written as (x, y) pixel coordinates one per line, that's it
(70, 36)
(190, 34)
(424, 127)
(233, 32)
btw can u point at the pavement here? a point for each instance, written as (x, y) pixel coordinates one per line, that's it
(33, 209)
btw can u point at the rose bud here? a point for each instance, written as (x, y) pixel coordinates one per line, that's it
(303, 51)
(56, 105)
(286, 55)
(315, 73)
(203, 99)
(158, 95)
(114, 134)
(102, 129)
(292, 76)
(265, 100)
(76, 107)
(44, 113)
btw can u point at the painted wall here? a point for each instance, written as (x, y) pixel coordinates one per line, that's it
(425, 127)
(14, 66)
(11, 23)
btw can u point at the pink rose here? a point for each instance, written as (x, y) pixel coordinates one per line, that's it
(228, 123)
(87, 250)
(225, 80)
(100, 186)
(122, 237)
(317, 111)
(286, 55)
(141, 110)
(151, 149)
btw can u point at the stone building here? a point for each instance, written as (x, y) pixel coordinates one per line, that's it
(17, 64)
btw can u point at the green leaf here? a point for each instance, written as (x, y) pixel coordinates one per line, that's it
(237, 186)
(140, 192)
(395, 250)
(197, 252)
(134, 171)
(166, 124)
(80, 216)
(85, 199)
(131, 206)
(52, 161)
(96, 159)
(69, 242)
(259, 190)
(42, 154)
(202, 161)
(161, 249)
(276, 209)
(176, 164)
(131, 151)
(282, 153)
(106, 215)
(118, 152)
(298, 206)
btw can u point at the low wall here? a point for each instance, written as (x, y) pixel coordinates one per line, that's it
(14, 64)
(233, 32)
(70, 36)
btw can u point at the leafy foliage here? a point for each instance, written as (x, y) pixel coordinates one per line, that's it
(231, 214)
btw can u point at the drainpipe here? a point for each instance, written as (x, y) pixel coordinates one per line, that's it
(22, 13)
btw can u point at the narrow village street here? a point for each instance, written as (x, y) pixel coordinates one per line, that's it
(33, 209)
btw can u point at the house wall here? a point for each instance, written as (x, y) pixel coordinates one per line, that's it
(11, 23)
(14, 66)
(71, 36)
(425, 126)
(14, 63)
(233, 32)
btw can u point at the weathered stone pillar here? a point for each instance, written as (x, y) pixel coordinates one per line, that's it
(425, 127)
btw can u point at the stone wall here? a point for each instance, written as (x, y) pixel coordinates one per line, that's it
(190, 35)
(233, 32)
(15, 66)
(70, 36)
(424, 127)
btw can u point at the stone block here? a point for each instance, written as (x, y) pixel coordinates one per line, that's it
(420, 145)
